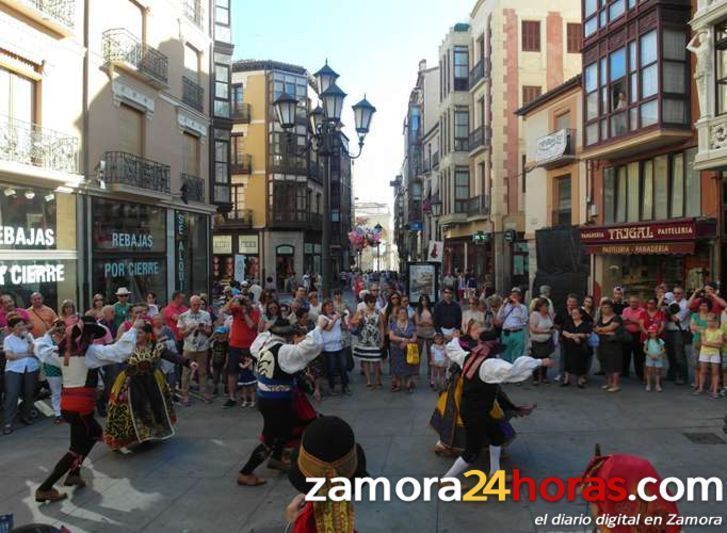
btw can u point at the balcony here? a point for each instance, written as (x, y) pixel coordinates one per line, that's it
(712, 152)
(479, 72)
(241, 113)
(124, 50)
(478, 206)
(29, 144)
(297, 166)
(427, 166)
(192, 187)
(556, 149)
(192, 94)
(435, 160)
(56, 15)
(479, 139)
(239, 215)
(123, 168)
(285, 218)
(193, 12)
(241, 165)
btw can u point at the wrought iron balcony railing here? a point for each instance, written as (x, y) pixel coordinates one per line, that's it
(129, 169)
(121, 46)
(478, 206)
(31, 144)
(192, 93)
(241, 113)
(192, 187)
(193, 12)
(59, 11)
(479, 137)
(242, 164)
(289, 165)
(282, 217)
(479, 71)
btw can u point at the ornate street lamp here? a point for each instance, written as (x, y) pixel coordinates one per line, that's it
(436, 208)
(378, 228)
(324, 123)
(285, 106)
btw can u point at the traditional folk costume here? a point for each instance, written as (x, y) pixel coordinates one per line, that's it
(277, 364)
(328, 450)
(632, 469)
(447, 421)
(482, 374)
(79, 360)
(140, 407)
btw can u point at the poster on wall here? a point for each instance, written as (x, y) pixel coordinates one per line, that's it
(239, 268)
(436, 250)
(422, 279)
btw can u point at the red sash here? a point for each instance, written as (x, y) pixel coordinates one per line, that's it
(80, 400)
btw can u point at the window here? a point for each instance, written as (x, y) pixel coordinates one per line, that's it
(616, 9)
(237, 149)
(661, 188)
(721, 53)
(632, 88)
(237, 97)
(191, 63)
(562, 121)
(17, 96)
(222, 12)
(222, 90)
(530, 93)
(573, 34)
(221, 190)
(131, 130)
(461, 68)
(190, 154)
(461, 189)
(531, 35)
(562, 215)
(461, 129)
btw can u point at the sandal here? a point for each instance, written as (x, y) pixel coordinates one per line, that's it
(369, 386)
(395, 388)
(250, 481)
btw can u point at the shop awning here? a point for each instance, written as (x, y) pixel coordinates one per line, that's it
(651, 248)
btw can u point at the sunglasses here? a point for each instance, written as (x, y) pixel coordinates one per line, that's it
(123, 296)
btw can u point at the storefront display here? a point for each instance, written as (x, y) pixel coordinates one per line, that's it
(129, 249)
(640, 256)
(191, 252)
(37, 244)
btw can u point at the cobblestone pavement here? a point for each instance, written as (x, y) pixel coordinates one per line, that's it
(188, 482)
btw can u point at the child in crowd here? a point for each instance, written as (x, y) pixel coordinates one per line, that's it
(709, 356)
(655, 352)
(219, 347)
(439, 363)
(247, 382)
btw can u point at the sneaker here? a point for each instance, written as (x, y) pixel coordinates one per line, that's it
(229, 403)
(648, 388)
(658, 388)
(244, 404)
(251, 403)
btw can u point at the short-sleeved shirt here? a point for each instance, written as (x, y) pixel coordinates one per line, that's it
(121, 310)
(710, 335)
(41, 320)
(654, 347)
(196, 341)
(636, 315)
(171, 316)
(242, 336)
(13, 343)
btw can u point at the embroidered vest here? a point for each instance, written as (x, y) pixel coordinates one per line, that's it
(272, 382)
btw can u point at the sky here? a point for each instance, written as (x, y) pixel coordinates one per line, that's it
(374, 45)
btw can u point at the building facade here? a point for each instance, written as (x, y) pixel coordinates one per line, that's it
(655, 213)
(557, 192)
(274, 226)
(125, 187)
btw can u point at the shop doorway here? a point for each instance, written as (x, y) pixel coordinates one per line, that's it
(285, 267)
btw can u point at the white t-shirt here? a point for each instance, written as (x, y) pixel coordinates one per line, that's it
(196, 341)
(15, 344)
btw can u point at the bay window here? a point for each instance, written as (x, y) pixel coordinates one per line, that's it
(721, 60)
(626, 85)
(661, 188)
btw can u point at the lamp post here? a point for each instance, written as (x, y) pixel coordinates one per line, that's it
(324, 125)
(436, 213)
(378, 228)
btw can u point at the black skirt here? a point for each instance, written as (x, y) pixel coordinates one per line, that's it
(541, 350)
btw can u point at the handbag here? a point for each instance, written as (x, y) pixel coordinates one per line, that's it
(593, 340)
(412, 354)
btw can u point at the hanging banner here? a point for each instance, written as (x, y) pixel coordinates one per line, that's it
(239, 268)
(435, 251)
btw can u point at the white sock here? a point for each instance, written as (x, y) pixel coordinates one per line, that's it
(459, 466)
(495, 458)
